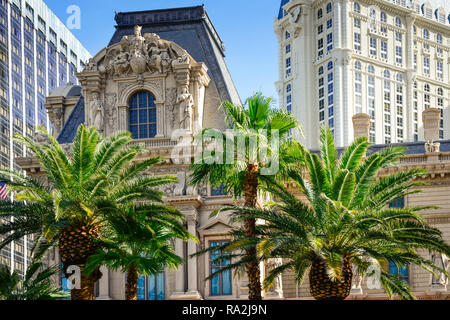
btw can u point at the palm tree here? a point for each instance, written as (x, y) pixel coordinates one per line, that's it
(242, 175)
(35, 285)
(71, 208)
(139, 242)
(343, 219)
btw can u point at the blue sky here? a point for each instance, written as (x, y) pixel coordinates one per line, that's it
(245, 26)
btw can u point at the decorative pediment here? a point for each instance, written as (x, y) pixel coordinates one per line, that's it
(137, 54)
(144, 63)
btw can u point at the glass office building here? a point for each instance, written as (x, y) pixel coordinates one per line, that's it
(37, 54)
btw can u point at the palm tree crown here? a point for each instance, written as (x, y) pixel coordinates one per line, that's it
(342, 219)
(82, 192)
(259, 143)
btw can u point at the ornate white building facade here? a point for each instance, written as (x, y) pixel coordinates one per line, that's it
(387, 58)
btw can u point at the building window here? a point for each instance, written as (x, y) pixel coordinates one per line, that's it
(402, 273)
(439, 38)
(383, 49)
(320, 29)
(288, 48)
(356, 7)
(143, 115)
(426, 34)
(220, 283)
(357, 41)
(398, 54)
(287, 35)
(357, 23)
(440, 69)
(398, 22)
(319, 14)
(373, 46)
(399, 203)
(218, 191)
(329, 23)
(151, 287)
(330, 65)
(383, 17)
(426, 65)
(329, 7)
(329, 41)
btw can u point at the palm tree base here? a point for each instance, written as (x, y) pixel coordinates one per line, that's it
(323, 288)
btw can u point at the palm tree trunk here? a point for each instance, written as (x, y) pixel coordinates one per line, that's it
(321, 286)
(251, 196)
(131, 287)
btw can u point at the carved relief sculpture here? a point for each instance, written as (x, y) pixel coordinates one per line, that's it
(97, 112)
(111, 110)
(442, 261)
(186, 101)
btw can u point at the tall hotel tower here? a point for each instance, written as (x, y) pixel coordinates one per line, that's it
(37, 54)
(387, 58)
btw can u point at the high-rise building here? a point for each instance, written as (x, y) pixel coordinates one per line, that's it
(37, 54)
(386, 58)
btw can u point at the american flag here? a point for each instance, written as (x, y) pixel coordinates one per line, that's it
(3, 194)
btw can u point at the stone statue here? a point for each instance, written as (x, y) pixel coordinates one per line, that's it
(97, 112)
(121, 64)
(431, 147)
(140, 54)
(276, 290)
(91, 65)
(110, 102)
(442, 261)
(186, 102)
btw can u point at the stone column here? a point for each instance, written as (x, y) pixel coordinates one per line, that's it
(103, 284)
(361, 125)
(431, 118)
(192, 249)
(160, 119)
(179, 275)
(123, 118)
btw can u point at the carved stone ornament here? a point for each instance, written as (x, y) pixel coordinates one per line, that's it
(431, 147)
(294, 18)
(97, 112)
(443, 262)
(137, 54)
(111, 111)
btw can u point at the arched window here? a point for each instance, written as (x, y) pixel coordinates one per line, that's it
(439, 38)
(329, 7)
(356, 7)
(373, 13)
(319, 13)
(320, 70)
(426, 34)
(143, 115)
(387, 74)
(330, 65)
(398, 22)
(371, 69)
(357, 65)
(383, 17)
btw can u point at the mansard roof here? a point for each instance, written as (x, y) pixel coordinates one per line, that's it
(76, 118)
(191, 29)
(280, 13)
(67, 90)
